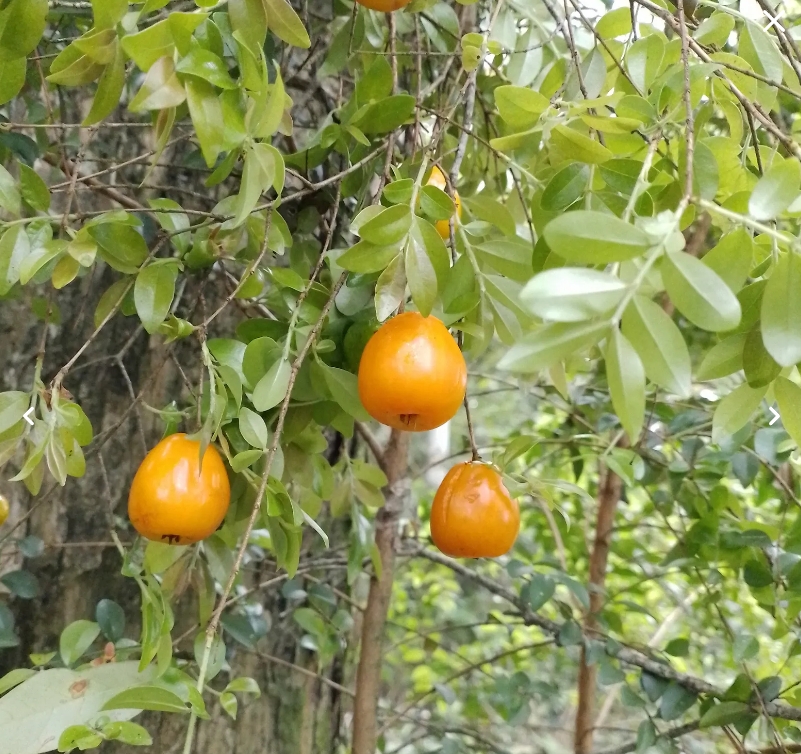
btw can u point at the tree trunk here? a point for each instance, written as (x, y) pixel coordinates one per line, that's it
(297, 713)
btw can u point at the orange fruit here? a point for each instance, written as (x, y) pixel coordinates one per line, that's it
(412, 374)
(172, 498)
(473, 515)
(4, 509)
(437, 178)
(385, 6)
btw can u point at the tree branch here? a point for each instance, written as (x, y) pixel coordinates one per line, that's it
(609, 489)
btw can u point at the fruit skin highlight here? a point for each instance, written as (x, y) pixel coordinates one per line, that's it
(473, 515)
(384, 6)
(170, 501)
(4, 509)
(437, 179)
(412, 375)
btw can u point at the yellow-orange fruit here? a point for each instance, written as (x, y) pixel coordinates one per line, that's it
(173, 498)
(412, 374)
(473, 515)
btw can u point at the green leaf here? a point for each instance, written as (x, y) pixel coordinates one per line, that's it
(659, 345)
(22, 23)
(15, 678)
(426, 262)
(675, 701)
(759, 367)
(12, 78)
(127, 733)
(572, 294)
(725, 713)
(154, 291)
(594, 238)
(344, 390)
(111, 619)
(244, 685)
(699, 294)
(715, 30)
(253, 428)
(33, 189)
(569, 144)
(550, 344)
(788, 396)
(108, 13)
(229, 703)
(626, 377)
(776, 190)
(436, 204)
(109, 89)
(366, 258)
(207, 117)
(644, 59)
(153, 698)
(757, 47)
(21, 583)
(10, 199)
(723, 359)
(540, 589)
(271, 389)
(389, 227)
(565, 188)
(733, 258)
(161, 89)
(386, 115)
(206, 65)
(520, 106)
(781, 311)
(646, 732)
(79, 737)
(285, 24)
(38, 259)
(76, 639)
(13, 406)
(614, 23)
(390, 289)
(14, 248)
(734, 411)
(120, 246)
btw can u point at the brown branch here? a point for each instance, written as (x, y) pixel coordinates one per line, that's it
(627, 655)
(368, 676)
(677, 732)
(610, 488)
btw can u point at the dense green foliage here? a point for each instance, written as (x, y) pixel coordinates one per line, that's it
(626, 281)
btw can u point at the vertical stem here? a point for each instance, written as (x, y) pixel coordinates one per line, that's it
(610, 487)
(368, 676)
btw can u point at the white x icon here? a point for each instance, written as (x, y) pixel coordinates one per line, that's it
(774, 20)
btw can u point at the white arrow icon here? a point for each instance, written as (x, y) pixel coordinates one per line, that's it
(27, 416)
(775, 416)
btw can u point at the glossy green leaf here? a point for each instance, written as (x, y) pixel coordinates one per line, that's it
(426, 262)
(154, 291)
(734, 411)
(285, 23)
(788, 396)
(388, 227)
(121, 246)
(520, 106)
(659, 344)
(271, 389)
(759, 367)
(76, 639)
(10, 199)
(725, 713)
(723, 358)
(33, 189)
(565, 188)
(207, 117)
(776, 190)
(732, 258)
(626, 377)
(22, 23)
(253, 428)
(781, 311)
(12, 78)
(572, 294)
(344, 390)
(569, 144)
(160, 90)
(594, 237)
(13, 406)
(699, 293)
(550, 344)
(155, 698)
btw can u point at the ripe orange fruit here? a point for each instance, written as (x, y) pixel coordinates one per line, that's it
(412, 374)
(437, 178)
(4, 509)
(173, 500)
(473, 515)
(385, 6)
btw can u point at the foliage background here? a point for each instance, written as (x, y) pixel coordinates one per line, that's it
(206, 210)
